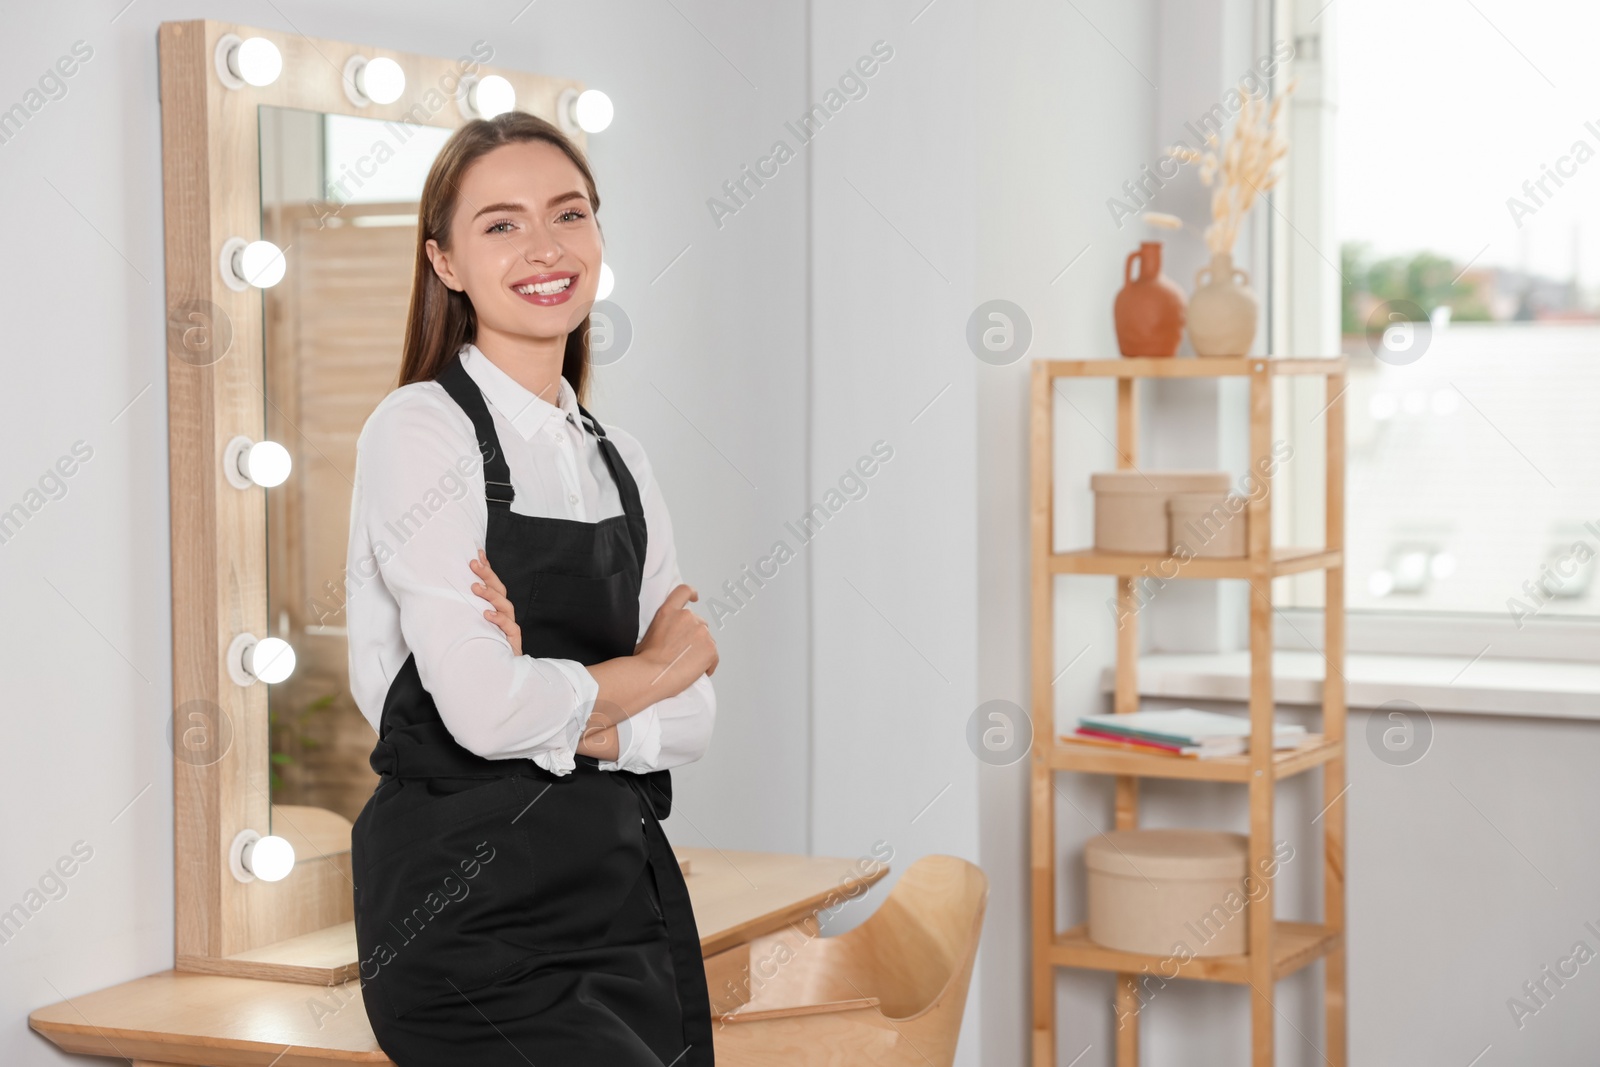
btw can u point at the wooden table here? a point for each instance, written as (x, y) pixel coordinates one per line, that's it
(174, 1017)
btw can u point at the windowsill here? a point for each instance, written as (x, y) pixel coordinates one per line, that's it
(1458, 684)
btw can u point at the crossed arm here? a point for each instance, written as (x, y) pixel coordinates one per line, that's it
(677, 648)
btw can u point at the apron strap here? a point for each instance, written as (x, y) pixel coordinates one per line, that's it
(627, 488)
(496, 474)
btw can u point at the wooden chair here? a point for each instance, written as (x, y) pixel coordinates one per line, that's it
(889, 992)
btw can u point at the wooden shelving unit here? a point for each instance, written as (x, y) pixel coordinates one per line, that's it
(1276, 948)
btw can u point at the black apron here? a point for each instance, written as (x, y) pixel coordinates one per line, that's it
(505, 914)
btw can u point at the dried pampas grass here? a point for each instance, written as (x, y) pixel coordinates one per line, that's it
(1249, 165)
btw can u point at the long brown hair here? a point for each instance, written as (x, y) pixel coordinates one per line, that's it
(441, 320)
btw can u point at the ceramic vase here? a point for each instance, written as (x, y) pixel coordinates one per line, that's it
(1222, 312)
(1149, 309)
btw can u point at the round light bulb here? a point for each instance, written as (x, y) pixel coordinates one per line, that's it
(1380, 583)
(592, 110)
(492, 95)
(1382, 406)
(381, 80)
(260, 263)
(269, 858)
(1411, 569)
(271, 659)
(608, 281)
(257, 61)
(267, 463)
(1442, 565)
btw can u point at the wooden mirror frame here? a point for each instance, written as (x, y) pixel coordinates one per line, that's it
(296, 929)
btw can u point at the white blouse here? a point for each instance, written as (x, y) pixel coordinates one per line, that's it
(418, 516)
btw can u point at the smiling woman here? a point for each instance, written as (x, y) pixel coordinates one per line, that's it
(476, 255)
(587, 672)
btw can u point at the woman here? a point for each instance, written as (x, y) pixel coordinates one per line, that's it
(516, 900)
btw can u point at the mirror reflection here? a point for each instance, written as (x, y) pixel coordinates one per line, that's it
(339, 196)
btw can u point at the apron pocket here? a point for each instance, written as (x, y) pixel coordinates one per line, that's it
(442, 879)
(580, 589)
(588, 854)
(570, 610)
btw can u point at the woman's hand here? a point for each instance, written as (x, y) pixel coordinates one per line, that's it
(492, 589)
(677, 648)
(678, 643)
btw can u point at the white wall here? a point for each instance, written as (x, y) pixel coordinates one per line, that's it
(1068, 107)
(895, 596)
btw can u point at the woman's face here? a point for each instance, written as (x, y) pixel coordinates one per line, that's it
(523, 244)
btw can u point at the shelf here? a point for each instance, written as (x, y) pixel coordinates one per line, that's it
(1090, 758)
(1282, 947)
(1132, 565)
(1294, 945)
(1151, 367)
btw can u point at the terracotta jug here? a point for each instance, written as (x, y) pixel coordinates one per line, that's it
(1149, 310)
(1222, 312)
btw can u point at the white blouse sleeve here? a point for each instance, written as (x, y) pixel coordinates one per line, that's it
(677, 729)
(419, 496)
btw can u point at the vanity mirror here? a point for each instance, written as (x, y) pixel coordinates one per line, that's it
(292, 168)
(332, 345)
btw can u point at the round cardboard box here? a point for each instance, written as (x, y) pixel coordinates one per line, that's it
(1169, 892)
(1209, 525)
(1130, 507)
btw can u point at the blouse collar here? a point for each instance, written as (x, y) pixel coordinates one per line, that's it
(526, 412)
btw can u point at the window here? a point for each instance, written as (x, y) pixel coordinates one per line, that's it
(1464, 179)
(366, 160)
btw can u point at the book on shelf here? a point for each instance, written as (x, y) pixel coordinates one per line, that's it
(1184, 732)
(1138, 744)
